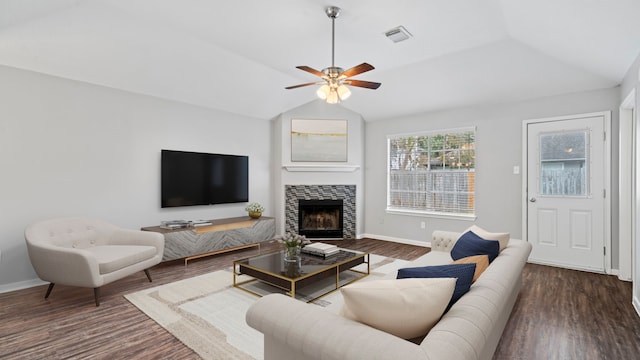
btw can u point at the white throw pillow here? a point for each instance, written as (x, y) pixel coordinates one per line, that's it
(502, 238)
(406, 308)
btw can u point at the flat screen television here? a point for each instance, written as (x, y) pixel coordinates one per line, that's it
(192, 178)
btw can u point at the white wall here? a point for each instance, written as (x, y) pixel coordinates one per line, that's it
(318, 109)
(632, 81)
(69, 148)
(499, 149)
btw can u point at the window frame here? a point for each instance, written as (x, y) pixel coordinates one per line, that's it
(427, 213)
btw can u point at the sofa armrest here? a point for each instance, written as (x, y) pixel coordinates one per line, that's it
(307, 331)
(69, 266)
(443, 240)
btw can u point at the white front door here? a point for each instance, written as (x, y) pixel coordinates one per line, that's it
(566, 192)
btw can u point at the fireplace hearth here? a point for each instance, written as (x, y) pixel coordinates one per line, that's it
(320, 218)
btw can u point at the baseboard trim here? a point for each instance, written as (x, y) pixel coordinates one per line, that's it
(5, 288)
(565, 266)
(636, 305)
(397, 240)
(617, 273)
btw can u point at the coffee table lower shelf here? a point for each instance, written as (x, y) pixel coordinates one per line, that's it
(311, 271)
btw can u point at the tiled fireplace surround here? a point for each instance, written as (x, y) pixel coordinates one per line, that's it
(346, 193)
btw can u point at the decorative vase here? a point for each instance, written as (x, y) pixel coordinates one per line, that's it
(255, 214)
(292, 253)
(292, 261)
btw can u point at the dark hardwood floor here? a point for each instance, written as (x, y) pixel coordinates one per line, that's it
(560, 314)
(569, 314)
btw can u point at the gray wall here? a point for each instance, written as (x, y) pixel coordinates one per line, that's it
(632, 81)
(69, 148)
(318, 110)
(499, 149)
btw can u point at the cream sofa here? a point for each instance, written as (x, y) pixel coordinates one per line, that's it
(471, 329)
(86, 252)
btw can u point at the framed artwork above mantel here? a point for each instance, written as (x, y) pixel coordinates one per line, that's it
(318, 140)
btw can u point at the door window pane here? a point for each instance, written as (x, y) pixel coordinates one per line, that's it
(564, 163)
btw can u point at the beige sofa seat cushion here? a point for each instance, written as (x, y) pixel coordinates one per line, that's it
(115, 257)
(433, 258)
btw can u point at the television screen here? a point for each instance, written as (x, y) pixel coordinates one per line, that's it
(191, 178)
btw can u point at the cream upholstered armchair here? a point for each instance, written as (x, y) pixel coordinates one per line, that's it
(89, 253)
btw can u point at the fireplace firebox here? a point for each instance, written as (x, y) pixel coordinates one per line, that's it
(320, 218)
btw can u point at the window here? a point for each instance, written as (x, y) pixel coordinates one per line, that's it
(564, 163)
(432, 173)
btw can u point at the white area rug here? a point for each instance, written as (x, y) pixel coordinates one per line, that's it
(207, 313)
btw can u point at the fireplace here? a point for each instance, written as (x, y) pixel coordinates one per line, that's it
(346, 193)
(320, 218)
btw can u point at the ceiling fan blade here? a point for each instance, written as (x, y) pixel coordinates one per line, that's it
(358, 69)
(310, 70)
(364, 84)
(301, 85)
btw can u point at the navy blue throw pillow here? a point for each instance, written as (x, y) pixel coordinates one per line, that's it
(470, 244)
(462, 272)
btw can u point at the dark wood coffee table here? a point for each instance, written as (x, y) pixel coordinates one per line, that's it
(271, 269)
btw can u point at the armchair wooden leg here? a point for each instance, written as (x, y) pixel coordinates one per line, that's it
(49, 290)
(96, 294)
(146, 271)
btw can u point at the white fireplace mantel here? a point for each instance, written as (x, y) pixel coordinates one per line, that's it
(320, 168)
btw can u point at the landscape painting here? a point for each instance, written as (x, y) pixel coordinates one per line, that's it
(319, 140)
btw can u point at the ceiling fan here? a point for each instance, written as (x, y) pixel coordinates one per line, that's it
(334, 87)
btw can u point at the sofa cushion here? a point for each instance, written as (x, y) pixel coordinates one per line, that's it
(115, 257)
(462, 272)
(481, 261)
(406, 308)
(470, 244)
(433, 258)
(502, 238)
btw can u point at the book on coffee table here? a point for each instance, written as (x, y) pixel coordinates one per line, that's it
(321, 249)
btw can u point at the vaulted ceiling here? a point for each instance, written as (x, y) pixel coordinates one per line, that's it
(238, 56)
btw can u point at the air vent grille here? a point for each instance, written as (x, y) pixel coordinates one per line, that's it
(398, 33)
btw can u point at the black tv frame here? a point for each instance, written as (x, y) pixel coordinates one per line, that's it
(196, 178)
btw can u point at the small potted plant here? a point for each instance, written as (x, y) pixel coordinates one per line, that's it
(255, 210)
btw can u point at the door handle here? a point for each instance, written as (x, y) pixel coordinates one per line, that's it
(532, 199)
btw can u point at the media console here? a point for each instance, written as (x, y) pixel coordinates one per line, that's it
(221, 236)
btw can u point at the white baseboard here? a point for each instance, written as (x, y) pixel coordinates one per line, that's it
(397, 240)
(4, 288)
(614, 272)
(565, 266)
(619, 275)
(636, 305)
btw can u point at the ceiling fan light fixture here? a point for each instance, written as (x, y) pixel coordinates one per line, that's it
(343, 92)
(333, 97)
(323, 91)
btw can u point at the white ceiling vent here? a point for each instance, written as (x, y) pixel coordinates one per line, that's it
(397, 34)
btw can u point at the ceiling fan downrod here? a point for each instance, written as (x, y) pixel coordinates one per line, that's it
(333, 12)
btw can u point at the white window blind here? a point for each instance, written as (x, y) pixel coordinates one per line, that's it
(432, 172)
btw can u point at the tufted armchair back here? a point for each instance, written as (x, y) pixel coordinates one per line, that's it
(78, 233)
